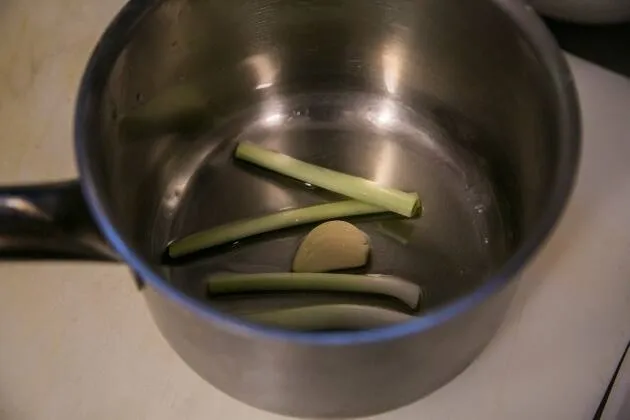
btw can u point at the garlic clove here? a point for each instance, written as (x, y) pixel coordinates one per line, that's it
(334, 245)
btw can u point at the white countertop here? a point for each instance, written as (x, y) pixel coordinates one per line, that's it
(77, 342)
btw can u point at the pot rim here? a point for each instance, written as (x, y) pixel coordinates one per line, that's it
(531, 29)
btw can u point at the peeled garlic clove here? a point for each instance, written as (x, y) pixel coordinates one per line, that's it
(334, 245)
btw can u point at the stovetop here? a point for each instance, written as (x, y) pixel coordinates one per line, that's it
(609, 47)
(606, 45)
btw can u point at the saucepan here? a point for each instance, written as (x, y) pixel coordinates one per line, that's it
(470, 104)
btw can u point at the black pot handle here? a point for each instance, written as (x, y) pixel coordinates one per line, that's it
(49, 221)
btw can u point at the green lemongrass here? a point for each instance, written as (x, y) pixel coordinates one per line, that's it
(403, 290)
(361, 189)
(330, 317)
(244, 228)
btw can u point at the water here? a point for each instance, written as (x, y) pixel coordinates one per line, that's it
(450, 249)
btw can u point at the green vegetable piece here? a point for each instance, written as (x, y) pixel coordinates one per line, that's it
(330, 317)
(361, 189)
(403, 290)
(244, 228)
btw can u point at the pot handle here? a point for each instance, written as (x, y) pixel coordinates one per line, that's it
(49, 221)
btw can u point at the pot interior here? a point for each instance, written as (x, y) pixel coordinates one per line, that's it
(442, 97)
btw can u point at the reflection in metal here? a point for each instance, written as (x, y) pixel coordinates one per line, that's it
(21, 205)
(264, 70)
(393, 64)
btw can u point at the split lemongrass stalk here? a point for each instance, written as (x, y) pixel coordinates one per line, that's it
(403, 290)
(361, 189)
(330, 317)
(244, 228)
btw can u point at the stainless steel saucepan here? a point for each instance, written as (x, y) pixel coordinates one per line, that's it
(469, 103)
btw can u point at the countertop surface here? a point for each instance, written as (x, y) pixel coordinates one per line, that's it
(77, 342)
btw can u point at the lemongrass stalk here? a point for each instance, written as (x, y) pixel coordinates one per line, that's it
(244, 228)
(330, 317)
(403, 290)
(361, 189)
